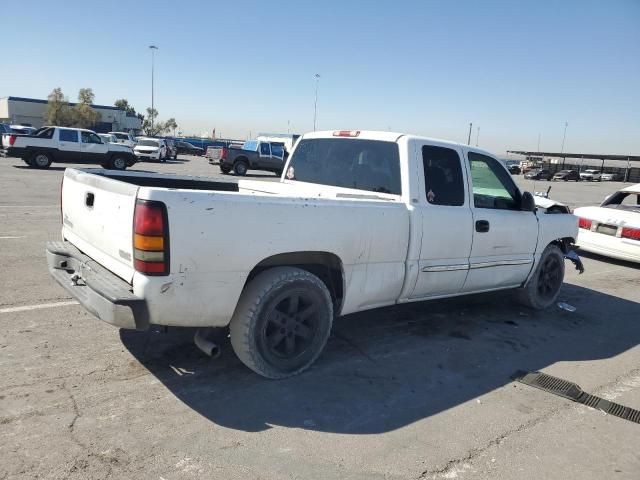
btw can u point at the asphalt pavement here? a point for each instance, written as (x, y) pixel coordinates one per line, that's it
(419, 391)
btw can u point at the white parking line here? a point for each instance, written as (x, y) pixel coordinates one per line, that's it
(37, 307)
(30, 206)
(9, 238)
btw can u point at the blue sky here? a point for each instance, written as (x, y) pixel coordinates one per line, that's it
(513, 68)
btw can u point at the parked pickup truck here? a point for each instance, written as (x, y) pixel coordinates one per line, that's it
(254, 155)
(359, 220)
(62, 144)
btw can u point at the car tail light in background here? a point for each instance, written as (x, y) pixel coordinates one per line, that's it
(632, 233)
(584, 223)
(12, 140)
(151, 238)
(346, 133)
(223, 153)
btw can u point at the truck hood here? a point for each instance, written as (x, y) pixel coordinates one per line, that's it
(118, 147)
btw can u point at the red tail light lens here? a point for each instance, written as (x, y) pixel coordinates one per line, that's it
(584, 223)
(223, 153)
(12, 140)
(151, 238)
(632, 233)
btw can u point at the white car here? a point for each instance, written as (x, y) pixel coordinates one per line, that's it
(125, 138)
(613, 228)
(610, 177)
(591, 175)
(359, 220)
(108, 137)
(151, 149)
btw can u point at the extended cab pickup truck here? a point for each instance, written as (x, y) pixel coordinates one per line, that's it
(254, 155)
(63, 144)
(359, 220)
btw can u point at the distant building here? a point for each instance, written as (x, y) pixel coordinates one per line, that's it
(30, 111)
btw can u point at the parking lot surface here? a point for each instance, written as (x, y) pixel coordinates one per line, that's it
(420, 391)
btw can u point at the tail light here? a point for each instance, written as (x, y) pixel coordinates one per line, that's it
(632, 233)
(12, 140)
(584, 223)
(151, 238)
(223, 153)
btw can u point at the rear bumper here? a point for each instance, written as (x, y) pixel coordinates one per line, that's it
(102, 293)
(609, 246)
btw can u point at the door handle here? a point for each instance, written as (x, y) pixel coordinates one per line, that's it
(482, 226)
(89, 199)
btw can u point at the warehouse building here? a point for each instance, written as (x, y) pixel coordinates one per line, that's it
(30, 111)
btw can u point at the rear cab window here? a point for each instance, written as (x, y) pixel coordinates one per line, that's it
(68, 135)
(371, 165)
(444, 184)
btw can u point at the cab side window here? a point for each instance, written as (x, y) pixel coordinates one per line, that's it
(68, 135)
(264, 149)
(492, 184)
(442, 176)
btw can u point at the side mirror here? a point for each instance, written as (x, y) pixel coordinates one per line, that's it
(527, 202)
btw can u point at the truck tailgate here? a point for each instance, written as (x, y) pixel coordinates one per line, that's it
(97, 215)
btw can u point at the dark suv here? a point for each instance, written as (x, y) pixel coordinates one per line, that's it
(538, 174)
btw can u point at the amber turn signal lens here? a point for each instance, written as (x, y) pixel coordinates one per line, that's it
(145, 242)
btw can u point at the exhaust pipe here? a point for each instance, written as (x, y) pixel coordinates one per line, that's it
(207, 346)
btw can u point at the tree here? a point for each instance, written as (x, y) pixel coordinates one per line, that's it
(171, 125)
(158, 127)
(84, 115)
(123, 103)
(58, 112)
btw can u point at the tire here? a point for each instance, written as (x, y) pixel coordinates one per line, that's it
(226, 169)
(543, 288)
(268, 332)
(278, 173)
(40, 160)
(240, 168)
(118, 163)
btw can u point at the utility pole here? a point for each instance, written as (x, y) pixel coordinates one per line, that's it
(153, 49)
(315, 105)
(566, 124)
(538, 142)
(477, 136)
(469, 139)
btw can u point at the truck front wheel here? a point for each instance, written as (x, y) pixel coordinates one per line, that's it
(118, 163)
(282, 322)
(543, 287)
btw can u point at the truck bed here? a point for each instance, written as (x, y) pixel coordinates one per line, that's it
(145, 179)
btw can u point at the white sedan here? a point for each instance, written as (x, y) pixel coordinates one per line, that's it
(591, 175)
(613, 228)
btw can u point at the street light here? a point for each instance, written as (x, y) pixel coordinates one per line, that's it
(315, 105)
(566, 124)
(153, 48)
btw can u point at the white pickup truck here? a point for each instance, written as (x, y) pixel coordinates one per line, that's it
(358, 220)
(65, 144)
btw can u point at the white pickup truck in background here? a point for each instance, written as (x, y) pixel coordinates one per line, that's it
(65, 144)
(359, 220)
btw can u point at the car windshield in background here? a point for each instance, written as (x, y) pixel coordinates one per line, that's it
(250, 145)
(121, 136)
(371, 165)
(148, 143)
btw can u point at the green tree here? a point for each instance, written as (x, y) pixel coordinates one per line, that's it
(123, 103)
(171, 125)
(151, 126)
(58, 112)
(84, 116)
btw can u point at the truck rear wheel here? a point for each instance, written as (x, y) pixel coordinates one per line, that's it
(282, 322)
(240, 168)
(543, 287)
(40, 160)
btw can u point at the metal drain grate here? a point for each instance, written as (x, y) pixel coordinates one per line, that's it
(570, 390)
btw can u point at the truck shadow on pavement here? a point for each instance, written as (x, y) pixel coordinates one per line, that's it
(387, 368)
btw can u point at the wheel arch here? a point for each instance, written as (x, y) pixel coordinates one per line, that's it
(242, 158)
(325, 265)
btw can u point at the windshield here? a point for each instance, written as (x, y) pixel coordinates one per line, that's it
(250, 145)
(148, 143)
(122, 136)
(350, 163)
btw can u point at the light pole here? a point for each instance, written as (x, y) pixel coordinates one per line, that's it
(538, 143)
(566, 124)
(153, 49)
(477, 136)
(315, 104)
(469, 139)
